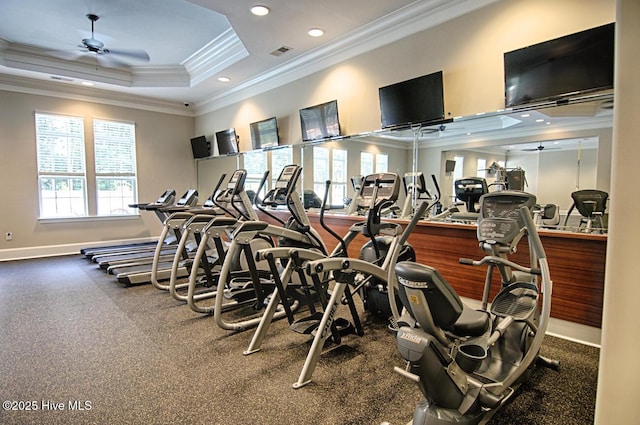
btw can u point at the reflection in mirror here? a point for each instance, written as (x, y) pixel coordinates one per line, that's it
(552, 169)
(560, 148)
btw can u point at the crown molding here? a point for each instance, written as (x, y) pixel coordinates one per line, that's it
(218, 54)
(411, 19)
(66, 89)
(215, 56)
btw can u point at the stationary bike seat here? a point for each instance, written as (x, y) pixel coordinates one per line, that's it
(471, 323)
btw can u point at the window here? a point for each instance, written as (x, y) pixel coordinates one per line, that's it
(255, 162)
(330, 164)
(458, 172)
(279, 159)
(61, 166)
(338, 177)
(115, 160)
(382, 163)
(367, 164)
(320, 169)
(62, 173)
(482, 168)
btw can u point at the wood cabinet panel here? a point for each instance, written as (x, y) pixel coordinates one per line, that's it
(576, 263)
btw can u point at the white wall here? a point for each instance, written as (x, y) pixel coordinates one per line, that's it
(164, 160)
(618, 390)
(468, 49)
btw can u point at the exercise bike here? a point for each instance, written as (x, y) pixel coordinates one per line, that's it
(467, 362)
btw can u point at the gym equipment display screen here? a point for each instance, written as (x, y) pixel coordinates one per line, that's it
(227, 142)
(320, 121)
(264, 134)
(567, 66)
(415, 101)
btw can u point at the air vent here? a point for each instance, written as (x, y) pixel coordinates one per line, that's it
(55, 77)
(281, 50)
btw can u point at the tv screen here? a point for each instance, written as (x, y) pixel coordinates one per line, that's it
(567, 66)
(264, 134)
(200, 147)
(227, 142)
(320, 121)
(415, 101)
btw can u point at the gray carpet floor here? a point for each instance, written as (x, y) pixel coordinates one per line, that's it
(71, 338)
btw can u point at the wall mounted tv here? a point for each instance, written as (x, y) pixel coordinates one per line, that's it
(200, 147)
(264, 134)
(557, 69)
(419, 100)
(227, 142)
(320, 121)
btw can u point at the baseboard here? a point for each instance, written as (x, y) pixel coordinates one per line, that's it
(59, 250)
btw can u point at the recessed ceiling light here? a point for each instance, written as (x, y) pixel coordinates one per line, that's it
(224, 79)
(539, 120)
(260, 10)
(525, 115)
(315, 32)
(87, 83)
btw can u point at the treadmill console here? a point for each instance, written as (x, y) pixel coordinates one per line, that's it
(416, 182)
(383, 186)
(188, 199)
(167, 197)
(499, 218)
(284, 186)
(288, 177)
(236, 182)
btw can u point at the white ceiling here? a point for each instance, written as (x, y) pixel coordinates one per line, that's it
(192, 43)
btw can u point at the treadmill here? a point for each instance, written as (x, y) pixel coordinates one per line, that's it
(112, 258)
(139, 261)
(142, 274)
(165, 200)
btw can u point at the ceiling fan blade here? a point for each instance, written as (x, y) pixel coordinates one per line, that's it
(108, 61)
(129, 53)
(69, 55)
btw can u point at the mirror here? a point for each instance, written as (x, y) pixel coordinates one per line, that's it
(561, 148)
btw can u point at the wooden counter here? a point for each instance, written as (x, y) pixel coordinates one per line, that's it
(576, 262)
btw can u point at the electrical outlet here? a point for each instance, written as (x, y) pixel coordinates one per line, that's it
(8, 236)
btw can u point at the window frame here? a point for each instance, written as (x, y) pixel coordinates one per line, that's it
(89, 175)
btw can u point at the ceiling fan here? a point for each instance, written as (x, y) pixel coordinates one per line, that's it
(106, 56)
(540, 147)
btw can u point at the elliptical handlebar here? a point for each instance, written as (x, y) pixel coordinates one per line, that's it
(324, 225)
(263, 201)
(489, 259)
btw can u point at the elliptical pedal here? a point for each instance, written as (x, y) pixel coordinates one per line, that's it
(517, 300)
(306, 325)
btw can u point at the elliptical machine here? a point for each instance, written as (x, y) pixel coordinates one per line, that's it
(369, 275)
(259, 283)
(467, 362)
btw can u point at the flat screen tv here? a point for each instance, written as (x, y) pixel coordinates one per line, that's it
(419, 100)
(320, 121)
(557, 69)
(200, 147)
(227, 142)
(264, 134)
